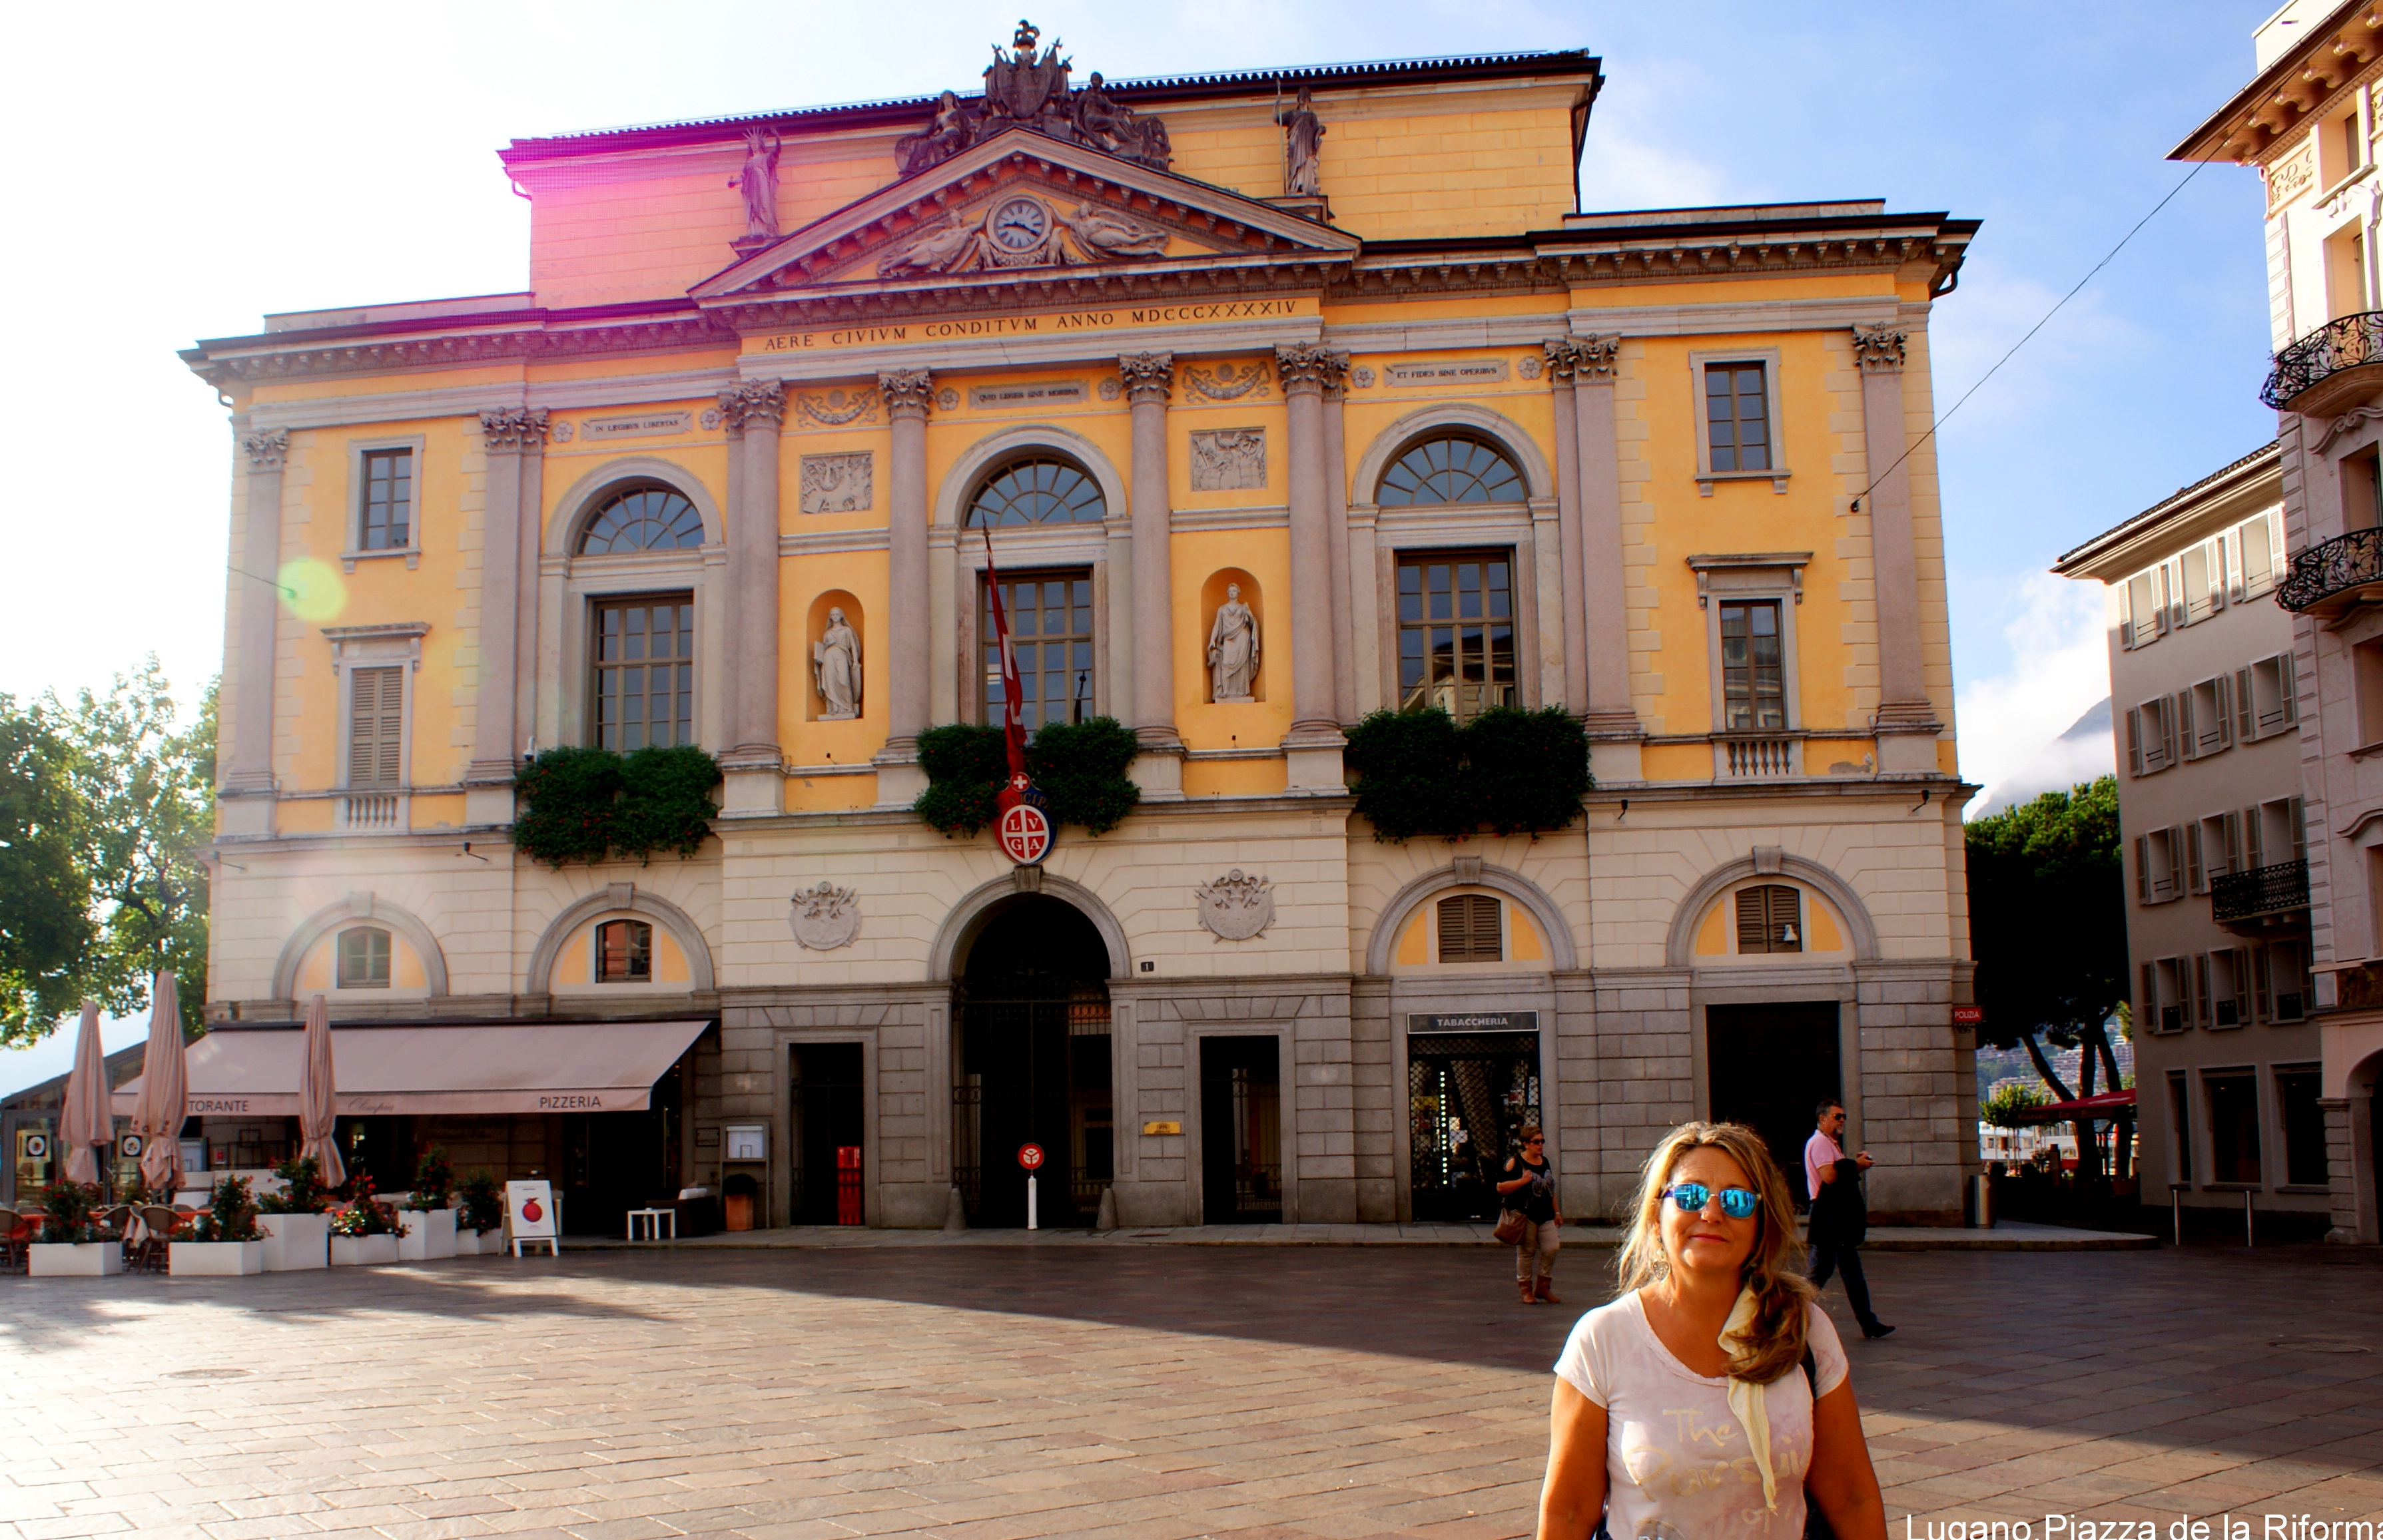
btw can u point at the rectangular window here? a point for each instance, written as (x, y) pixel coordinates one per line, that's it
(2152, 736)
(1468, 930)
(2233, 1099)
(2362, 491)
(2175, 981)
(1753, 668)
(644, 672)
(2255, 544)
(624, 951)
(2205, 580)
(2160, 873)
(2229, 988)
(1738, 417)
(2268, 697)
(364, 958)
(2207, 713)
(2221, 846)
(1050, 617)
(2297, 1088)
(1769, 919)
(2179, 1118)
(375, 729)
(2345, 274)
(1456, 633)
(388, 523)
(2366, 676)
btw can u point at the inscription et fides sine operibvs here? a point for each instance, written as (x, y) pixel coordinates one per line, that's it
(1051, 324)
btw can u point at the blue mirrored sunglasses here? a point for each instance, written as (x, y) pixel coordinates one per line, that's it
(1691, 1196)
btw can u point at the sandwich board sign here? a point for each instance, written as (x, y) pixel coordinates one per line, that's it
(529, 1215)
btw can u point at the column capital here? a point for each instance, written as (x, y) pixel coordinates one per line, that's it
(513, 429)
(755, 403)
(1306, 367)
(1877, 349)
(1581, 360)
(1147, 376)
(267, 452)
(909, 392)
(1335, 382)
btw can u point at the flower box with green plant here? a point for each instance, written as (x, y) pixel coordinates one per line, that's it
(225, 1241)
(300, 1190)
(74, 1244)
(297, 1230)
(578, 803)
(363, 1230)
(1079, 768)
(426, 1227)
(1515, 771)
(480, 1214)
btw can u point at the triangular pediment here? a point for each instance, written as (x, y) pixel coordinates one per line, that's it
(1026, 206)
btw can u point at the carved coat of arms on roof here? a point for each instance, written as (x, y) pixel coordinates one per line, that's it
(1027, 89)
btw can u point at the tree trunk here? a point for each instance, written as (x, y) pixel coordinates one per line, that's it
(2044, 1068)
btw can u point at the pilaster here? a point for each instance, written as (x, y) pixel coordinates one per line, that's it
(1614, 731)
(1158, 769)
(1564, 366)
(511, 437)
(1313, 747)
(1906, 724)
(753, 766)
(245, 795)
(1336, 526)
(908, 393)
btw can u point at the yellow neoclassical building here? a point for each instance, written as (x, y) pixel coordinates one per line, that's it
(1284, 396)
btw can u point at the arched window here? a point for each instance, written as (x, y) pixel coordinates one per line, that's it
(364, 958)
(1468, 930)
(1769, 919)
(1040, 489)
(643, 518)
(624, 951)
(1452, 468)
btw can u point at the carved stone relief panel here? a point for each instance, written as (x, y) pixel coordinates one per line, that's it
(1226, 383)
(1235, 907)
(826, 917)
(838, 482)
(837, 408)
(1228, 459)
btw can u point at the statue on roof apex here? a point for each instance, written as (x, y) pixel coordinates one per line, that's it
(1026, 87)
(758, 181)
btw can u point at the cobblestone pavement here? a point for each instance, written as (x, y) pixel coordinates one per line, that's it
(984, 1392)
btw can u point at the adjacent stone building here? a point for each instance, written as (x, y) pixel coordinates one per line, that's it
(724, 475)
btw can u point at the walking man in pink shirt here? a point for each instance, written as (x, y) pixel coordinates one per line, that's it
(1839, 1217)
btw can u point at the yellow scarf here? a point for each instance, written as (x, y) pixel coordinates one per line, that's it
(1746, 1399)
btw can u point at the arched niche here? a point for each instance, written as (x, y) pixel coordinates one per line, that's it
(591, 489)
(625, 898)
(989, 453)
(1861, 932)
(1450, 416)
(969, 916)
(1212, 594)
(1554, 934)
(815, 627)
(359, 907)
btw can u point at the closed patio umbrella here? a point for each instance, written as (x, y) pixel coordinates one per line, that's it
(87, 1120)
(165, 1093)
(317, 1098)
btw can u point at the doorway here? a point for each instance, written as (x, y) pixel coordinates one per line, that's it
(1032, 1065)
(823, 1135)
(1468, 1096)
(1241, 1129)
(1770, 1067)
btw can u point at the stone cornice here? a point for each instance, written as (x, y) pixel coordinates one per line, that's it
(2329, 58)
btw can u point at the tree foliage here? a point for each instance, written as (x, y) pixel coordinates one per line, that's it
(105, 806)
(2008, 1103)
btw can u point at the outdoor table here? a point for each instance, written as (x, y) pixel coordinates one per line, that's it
(652, 1221)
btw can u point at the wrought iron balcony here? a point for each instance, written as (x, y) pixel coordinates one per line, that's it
(2332, 367)
(2260, 892)
(2335, 574)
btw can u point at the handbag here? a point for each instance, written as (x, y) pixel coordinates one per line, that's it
(1515, 1226)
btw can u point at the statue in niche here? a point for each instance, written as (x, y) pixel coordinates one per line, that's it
(836, 669)
(758, 180)
(1302, 146)
(1232, 648)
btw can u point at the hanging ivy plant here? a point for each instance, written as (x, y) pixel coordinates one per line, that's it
(584, 804)
(1519, 772)
(1080, 766)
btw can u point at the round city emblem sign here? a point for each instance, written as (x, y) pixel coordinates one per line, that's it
(1024, 833)
(1029, 1156)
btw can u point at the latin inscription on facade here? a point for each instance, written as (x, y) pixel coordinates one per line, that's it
(838, 482)
(1027, 395)
(1199, 314)
(1228, 459)
(650, 424)
(1471, 371)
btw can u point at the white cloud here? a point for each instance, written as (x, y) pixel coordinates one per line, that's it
(2011, 724)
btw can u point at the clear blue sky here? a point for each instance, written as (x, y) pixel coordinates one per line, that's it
(179, 171)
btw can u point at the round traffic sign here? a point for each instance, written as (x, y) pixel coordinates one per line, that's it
(1024, 833)
(1029, 1156)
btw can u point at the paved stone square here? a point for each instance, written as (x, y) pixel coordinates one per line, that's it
(990, 1392)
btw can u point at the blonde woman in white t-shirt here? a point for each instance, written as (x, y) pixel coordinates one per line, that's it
(1709, 1399)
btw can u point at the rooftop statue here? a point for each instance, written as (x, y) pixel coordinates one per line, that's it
(1027, 88)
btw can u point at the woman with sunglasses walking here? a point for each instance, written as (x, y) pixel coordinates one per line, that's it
(1711, 1399)
(1529, 1191)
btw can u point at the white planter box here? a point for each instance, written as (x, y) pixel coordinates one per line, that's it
(214, 1259)
(81, 1259)
(295, 1241)
(362, 1250)
(429, 1235)
(478, 1243)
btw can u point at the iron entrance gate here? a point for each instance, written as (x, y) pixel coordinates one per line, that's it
(1034, 1067)
(1468, 1095)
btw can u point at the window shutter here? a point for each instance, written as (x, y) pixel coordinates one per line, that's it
(2246, 713)
(376, 727)
(2240, 969)
(2300, 829)
(2192, 867)
(2259, 992)
(2149, 1020)
(2134, 741)
(1468, 930)
(2222, 689)
(2232, 825)
(2201, 988)
(2142, 868)
(2167, 732)
(2176, 865)
(2291, 689)
(2184, 724)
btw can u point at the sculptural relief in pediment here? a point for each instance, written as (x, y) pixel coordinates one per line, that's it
(1024, 89)
(1022, 230)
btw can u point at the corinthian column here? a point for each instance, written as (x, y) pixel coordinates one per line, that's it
(908, 393)
(509, 435)
(1159, 768)
(1336, 534)
(246, 791)
(1907, 723)
(1313, 743)
(755, 786)
(1613, 722)
(1563, 363)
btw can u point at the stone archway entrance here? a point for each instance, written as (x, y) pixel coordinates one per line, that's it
(1031, 1065)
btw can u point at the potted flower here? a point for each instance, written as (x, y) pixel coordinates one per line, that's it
(361, 1231)
(226, 1242)
(73, 1244)
(479, 1214)
(429, 1217)
(293, 1218)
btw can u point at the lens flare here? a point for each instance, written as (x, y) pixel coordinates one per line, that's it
(313, 589)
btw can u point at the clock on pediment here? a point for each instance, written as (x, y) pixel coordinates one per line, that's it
(1019, 224)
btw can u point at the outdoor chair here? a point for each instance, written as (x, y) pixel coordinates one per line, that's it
(16, 1233)
(158, 1224)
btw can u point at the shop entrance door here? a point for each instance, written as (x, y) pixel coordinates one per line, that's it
(1770, 1065)
(824, 1139)
(1468, 1095)
(1032, 1066)
(1241, 1129)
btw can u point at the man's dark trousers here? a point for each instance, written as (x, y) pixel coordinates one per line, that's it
(1839, 1220)
(1835, 1256)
